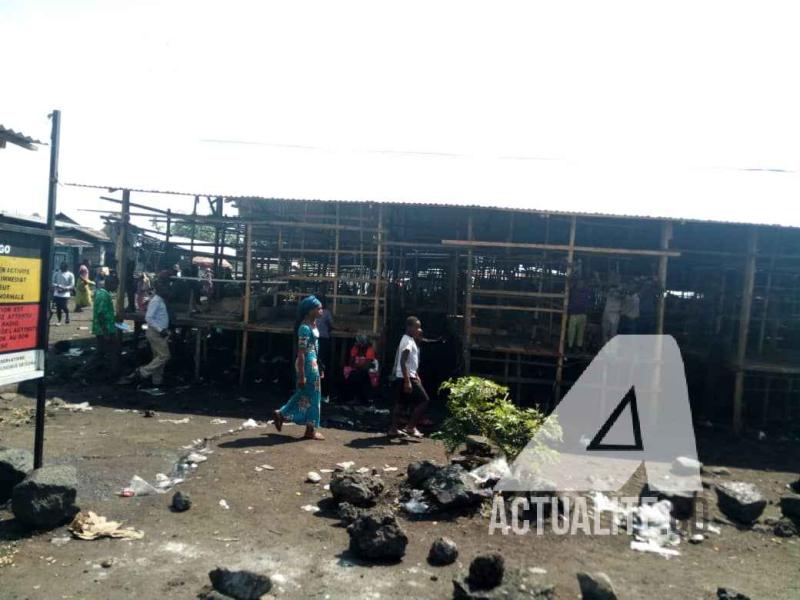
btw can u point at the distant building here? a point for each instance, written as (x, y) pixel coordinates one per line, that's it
(74, 243)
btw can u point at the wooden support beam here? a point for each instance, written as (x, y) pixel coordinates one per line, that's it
(468, 300)
(561, 248)
(562, 336)
(514, 308)
(122, 254)
(336, 265)
(744, 328)
(377, 303)
(248, 274)
(515, 294)
(666, 237)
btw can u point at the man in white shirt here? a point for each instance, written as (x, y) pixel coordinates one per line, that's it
(407, 385)
(63, 285)
(157, 319)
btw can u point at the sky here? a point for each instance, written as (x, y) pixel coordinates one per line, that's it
(683, 109)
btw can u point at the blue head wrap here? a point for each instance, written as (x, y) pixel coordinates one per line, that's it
(306, 305)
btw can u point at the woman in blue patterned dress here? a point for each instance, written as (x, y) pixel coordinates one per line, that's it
(304, 406)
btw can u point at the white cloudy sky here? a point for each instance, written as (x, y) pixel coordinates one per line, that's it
(679, 108)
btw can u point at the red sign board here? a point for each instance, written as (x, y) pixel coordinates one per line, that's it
(18, 326)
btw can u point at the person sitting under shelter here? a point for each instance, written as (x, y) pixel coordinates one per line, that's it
(361, 373)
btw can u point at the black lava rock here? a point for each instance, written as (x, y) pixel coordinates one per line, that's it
(14, 466)
(377, 536)
(355, 488)
(443, 552)
(486, 571)
(241, 585)
(740, 501)
(181, 502)
(45, 499)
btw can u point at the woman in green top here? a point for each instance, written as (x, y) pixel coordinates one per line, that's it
(103, 326)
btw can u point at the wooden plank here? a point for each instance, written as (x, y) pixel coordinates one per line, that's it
(514, 294)
(515, 308)
(744, 327)
(564, 310)
(377, 302)
(666, 236)
(561, 248)
(122, 254)
(248, 266)
(468, 300)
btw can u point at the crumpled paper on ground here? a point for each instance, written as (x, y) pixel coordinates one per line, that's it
(91, 526)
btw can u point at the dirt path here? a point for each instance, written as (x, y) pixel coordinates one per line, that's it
(266, 530)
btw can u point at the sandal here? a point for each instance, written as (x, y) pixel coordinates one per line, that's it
(278, 419)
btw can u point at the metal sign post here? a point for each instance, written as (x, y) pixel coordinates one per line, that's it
(25, 271)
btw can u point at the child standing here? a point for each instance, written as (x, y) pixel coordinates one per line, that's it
(407, 386)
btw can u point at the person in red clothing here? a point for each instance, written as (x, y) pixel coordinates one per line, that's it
(361, 372)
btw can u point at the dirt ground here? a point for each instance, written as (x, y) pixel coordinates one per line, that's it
(265, 529)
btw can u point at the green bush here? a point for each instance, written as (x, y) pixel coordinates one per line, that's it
(480, 406)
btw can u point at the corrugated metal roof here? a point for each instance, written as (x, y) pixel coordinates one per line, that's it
(69, 242)
(494, 205)
(17, 138)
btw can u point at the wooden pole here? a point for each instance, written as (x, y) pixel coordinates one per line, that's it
(336, 265)
(468, 300)
(562, 248)
(564, 307)
(378, 263)
(248, 273)
(122, 253)
(666, 236)
(744, 327)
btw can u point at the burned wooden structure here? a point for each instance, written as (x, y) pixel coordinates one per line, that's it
(497, 282)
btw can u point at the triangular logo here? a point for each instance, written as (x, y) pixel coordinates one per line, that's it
(628, 400)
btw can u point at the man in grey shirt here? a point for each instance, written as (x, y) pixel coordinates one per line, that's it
(63, 286)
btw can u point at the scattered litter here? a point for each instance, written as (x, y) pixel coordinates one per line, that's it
(244, 400)
(326, 470)
(389, 469)
(122, 326)
(164, 483)
(761, 436)
(59, 541)
(697, 538)
(363, 470)
(139, 487)
(90, 526)
(652, 524)
(73, 352)
(259, 469)
(310, 508)
(655, 548)
(493, 471)
(313, 477)
(83, 328)
(218, 421)
(343, 466)
(224, 504)
(153, 391)
(249, 424)
(537, 570)
(327, 487)
(175, 421)
(416, 505)
(268, 467)
(196, 457)
(58, 403)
